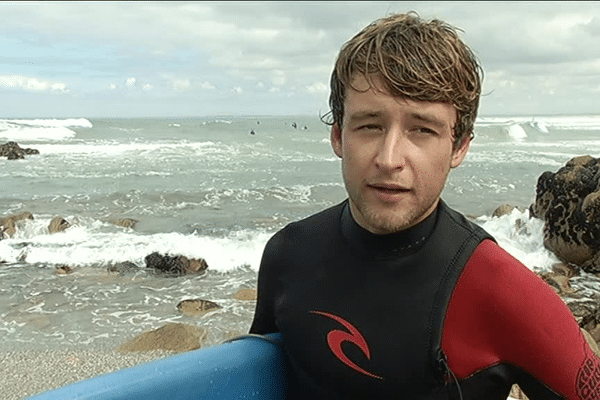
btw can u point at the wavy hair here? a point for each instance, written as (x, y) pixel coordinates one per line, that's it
(413, 58)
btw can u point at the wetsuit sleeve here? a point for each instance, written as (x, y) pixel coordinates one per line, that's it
(502, 313)
(264, 316)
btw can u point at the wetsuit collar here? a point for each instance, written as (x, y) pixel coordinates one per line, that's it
(390, 245)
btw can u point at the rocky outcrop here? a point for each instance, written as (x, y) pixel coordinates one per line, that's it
(197, 307)
(175, 265)
(8, 225)
(12, 151)
(171, 337)
(57, 224)
(568, 202)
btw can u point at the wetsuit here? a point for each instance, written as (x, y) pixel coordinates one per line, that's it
(438, 311)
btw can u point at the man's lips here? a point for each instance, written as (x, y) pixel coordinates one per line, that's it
(388, 187)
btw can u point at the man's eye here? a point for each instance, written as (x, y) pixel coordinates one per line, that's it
(369, 127)
(426, 131)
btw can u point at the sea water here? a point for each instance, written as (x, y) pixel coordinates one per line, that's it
(215, 188)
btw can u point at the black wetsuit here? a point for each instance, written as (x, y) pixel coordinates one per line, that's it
(438, 311)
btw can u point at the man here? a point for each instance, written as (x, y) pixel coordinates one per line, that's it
(392, 294)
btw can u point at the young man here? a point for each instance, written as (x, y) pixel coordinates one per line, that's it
(391, 294)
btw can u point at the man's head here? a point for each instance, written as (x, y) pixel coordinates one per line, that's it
(404, 100)
(413, 58)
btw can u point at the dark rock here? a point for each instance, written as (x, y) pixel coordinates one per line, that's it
(13, 151)
(175, 265)
(123, 268)
(569, 203)
(197, 307)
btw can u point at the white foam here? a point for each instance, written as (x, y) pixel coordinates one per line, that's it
(79, 122)
(516, 132)
(87, 243)
(522, 237)
(20, 133)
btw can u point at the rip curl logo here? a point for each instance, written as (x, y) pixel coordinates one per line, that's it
(588, 378)
(336, 337)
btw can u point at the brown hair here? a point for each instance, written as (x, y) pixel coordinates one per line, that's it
(416, 59)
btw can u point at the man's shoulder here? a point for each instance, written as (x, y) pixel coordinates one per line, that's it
(461, 221)
(315, 227)
(316, 223)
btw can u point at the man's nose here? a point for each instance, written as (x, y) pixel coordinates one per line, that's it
(392, 150)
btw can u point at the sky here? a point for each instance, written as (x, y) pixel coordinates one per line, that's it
(172, 59)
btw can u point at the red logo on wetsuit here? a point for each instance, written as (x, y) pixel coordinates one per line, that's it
(336, 337)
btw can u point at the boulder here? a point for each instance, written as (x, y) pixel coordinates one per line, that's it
(57, 224)
(170, 337)
(197, 307)
(503, 210)
(123, 268)
(175, 265)
(8, 225)
(12, 151)
(246, 294)
(568, 202)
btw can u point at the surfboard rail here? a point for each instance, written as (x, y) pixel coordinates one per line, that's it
(249, 367)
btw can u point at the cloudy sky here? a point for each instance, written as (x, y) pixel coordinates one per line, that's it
(143, 59)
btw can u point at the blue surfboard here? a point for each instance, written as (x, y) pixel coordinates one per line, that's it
(250, 367)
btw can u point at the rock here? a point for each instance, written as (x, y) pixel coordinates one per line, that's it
(517, 393)
(246, 294)
(123, 268)
(125, 222)
(503, 210)
(13, 151)
(197, 307)
(57, 224)
(591, 341)
(63, 270)
(8, 225)
(568, 202)
(559, 283)
(175, 265)
(171, 337)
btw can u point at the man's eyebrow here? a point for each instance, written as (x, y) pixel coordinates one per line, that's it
(362, 115)
(428, 118)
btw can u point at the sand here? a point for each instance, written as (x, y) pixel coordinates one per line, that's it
(30, 372)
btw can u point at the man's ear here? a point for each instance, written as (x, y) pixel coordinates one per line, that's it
(336, 139)
(459, 154)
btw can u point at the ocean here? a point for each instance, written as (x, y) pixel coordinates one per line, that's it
(215, 188)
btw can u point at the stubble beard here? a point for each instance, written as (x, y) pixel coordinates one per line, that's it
(385, 220)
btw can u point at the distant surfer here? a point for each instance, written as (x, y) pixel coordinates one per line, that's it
(392, 294)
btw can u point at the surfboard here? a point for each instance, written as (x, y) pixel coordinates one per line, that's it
(249, 367)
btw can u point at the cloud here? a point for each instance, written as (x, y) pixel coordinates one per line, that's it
(130, 82)
(32, 84)
(186, 84)
(318, 87)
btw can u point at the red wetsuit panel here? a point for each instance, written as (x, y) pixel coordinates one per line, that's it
(501, 312)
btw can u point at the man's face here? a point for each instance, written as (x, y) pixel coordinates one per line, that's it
(396, 155)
